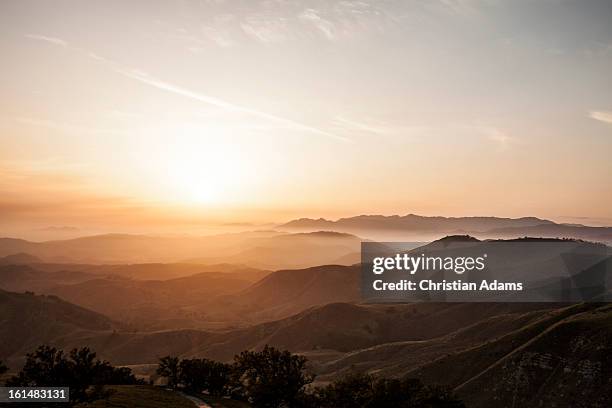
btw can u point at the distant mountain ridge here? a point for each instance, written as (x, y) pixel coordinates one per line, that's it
(428, 228)
(417, 222)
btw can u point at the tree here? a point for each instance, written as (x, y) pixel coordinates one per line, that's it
(354, 390)
(81, 371)
(271, 378)
(364, 391)
(198, 375)
(192, 375)
(84, 369)
(169, 367)
(3, 367)
(218, 378)
(45, 367)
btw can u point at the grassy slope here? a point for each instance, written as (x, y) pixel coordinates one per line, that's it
(569, 364)
(224, 403)
(141, 396)
(560, 360)
(26, 321)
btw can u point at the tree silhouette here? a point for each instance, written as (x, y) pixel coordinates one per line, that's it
(198, 375)
(169, 367)
(364, 391)
(271, 378)
(81, 371)
(354, 390)
(277, 379)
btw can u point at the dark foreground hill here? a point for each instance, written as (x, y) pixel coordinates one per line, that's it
(503, 354)
(562, 359)
(140, 396)
(337, 327)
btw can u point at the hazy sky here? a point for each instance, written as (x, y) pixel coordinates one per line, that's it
(122, 114)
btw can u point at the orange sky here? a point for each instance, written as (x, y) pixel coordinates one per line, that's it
(185, 117)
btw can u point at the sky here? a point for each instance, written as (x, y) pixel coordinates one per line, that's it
(179, 115)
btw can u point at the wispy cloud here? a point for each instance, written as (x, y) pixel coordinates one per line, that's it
(359, 126)
(496, 136)
(602, 116)
(377, 127)
(266, 30)
(145, 78)
(50, 40)
(325, 26)
(169, 87)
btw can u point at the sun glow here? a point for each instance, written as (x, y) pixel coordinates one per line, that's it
(200, 166)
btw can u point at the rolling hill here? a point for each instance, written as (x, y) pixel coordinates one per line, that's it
(338, 327)
(154, 304)
(28, 320)
(569, 350)
(21, 258)
(262, 249)
(204, 300)
(502, 353)
(496, 352)
(21, 278)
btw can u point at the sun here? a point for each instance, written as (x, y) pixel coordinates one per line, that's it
(199, 181)
(194, 165)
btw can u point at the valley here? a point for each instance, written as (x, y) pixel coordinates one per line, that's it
(133, 314)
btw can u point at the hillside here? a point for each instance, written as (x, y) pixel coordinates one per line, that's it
(149, 304)
(21, 258)
(337, 328)
(549, 268)
(458, 327)
(21, 278)
(345, 328)
(287, 292)
(569, 349)
(204, 300)
(263, 249)
(299, 250)
(27, 321)
(487, 352)
(150, 271)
